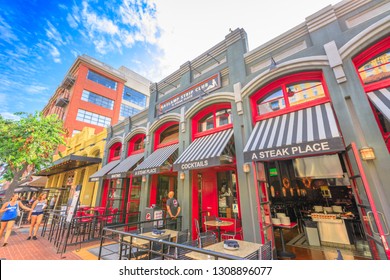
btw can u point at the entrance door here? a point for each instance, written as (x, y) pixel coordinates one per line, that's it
(208, 203)
(373, 221)
(132, 204)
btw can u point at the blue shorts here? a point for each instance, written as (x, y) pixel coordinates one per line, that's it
(13, 219)
(37, 213)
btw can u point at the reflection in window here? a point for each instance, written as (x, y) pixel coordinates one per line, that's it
(93, 118)
(206, 123)
(134, 96)
(302, 92)
(223, 117)
(139, 144)
(274, 101)
(377, 69)
(127, 111)
(97, 99)
(97, 78)
(170, 134)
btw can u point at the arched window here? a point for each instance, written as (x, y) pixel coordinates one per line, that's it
(373, 67)
(115, 152)
(212, 119)
(289, 93)
(167, 134)
(136, 144)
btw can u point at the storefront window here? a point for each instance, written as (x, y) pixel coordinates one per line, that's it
(139, 144)
(273, 102)
(213, 118)
(170, 134)
(206, 123)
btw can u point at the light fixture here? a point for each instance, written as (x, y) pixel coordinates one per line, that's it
(144, 178)
(367, 153)
(182, 175)
(246, 167)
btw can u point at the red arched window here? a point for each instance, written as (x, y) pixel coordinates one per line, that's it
(115, 152)
(290, 93)
(373, 66)
(136, 144)
(167, 134)
(212, 119)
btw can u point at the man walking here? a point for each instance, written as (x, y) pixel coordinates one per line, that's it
(173, 210)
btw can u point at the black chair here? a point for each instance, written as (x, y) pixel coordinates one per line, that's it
(181, 252)
(182, 237)
(231, 234)
(158, 250)
(208, 238)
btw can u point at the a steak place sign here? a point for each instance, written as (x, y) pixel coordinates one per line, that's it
(206, 86)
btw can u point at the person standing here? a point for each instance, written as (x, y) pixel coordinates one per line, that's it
(36, 215)
(52, 202)
(8, 219)
(173, 209)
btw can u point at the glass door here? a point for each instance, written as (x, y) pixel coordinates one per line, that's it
(133, 199)
(374, 223)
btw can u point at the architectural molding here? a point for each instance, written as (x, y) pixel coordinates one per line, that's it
(135, 131)
(166, 118)
(335, 61)
(208, 100)
(114, 140)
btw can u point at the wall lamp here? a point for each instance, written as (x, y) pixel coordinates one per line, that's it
(182, 175)
(246, 167)
(367, 153)
(143, 178)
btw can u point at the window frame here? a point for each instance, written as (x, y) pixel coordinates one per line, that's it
(212, 109)
(158, 133)
(131, 144)
(282, 83)
(114, 147)
(367, 55)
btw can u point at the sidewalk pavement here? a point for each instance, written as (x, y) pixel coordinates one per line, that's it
(19, 248)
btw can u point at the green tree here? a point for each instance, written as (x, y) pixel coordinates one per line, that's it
(28, 144)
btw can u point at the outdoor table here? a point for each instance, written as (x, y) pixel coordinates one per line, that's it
(218, 225)
(246, 248)
(284, 253)
(139, 242)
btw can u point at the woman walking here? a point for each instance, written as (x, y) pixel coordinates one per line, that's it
(36, 215)
(10, 211)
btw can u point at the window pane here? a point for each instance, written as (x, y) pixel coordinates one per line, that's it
(302, 92)
(206, 123)
(223, 117)
(93, 76)
(273, 102)
(127, 111)
(377, 69)
(92, 118)
(170, 134)
(134, 96)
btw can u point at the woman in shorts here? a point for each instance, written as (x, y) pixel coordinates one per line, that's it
(36, 215)
(10, 211)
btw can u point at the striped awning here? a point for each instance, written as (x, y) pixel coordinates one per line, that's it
(381, 100)
(204, 151)
(153, 163)
(122, 169)
(305, 132)
(103, 171)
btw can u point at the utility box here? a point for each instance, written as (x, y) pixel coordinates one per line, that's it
(153, 213)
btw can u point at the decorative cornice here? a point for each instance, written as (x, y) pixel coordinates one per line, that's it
(208, 100)
(166, 118)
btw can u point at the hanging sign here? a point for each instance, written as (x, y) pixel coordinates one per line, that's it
(204, 87)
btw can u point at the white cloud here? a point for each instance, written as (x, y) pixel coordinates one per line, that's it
(6, 33)
(9, 116)
(98, 24)
(189, 28)
(54, 53)
(53, 34)
(72, 21)
(36, 89)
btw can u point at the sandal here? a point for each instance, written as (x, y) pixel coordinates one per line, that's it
(28, 238)
(35, 238)
(5, 244)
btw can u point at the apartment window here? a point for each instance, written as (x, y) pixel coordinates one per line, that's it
(92, 118)
(127, 111)
(93, 76)
(134, 97)
(97, 99)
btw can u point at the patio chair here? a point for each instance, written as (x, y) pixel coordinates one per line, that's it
(266, 251)
(208, 238)
(232, 234)
(210, 228)
(157, 249)
(181, 253)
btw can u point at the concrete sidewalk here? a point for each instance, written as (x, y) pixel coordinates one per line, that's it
(19, 248)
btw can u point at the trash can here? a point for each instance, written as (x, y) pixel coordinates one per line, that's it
(311, 232)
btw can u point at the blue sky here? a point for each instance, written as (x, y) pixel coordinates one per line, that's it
(40, 39)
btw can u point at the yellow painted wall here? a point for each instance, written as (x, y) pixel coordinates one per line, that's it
(85, 143)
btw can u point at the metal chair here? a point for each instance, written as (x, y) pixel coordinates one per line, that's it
(181, 252)
(208, 238)
(210, 228)
(266, 251)
(158, 249)
(232, 234)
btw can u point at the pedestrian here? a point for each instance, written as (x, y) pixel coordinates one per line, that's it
(24, 200)
(53, 201)
(173, 209)
(32, 200)
(10, 211)
(36, 215)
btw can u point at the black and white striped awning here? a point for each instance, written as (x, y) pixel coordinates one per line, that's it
(103, 171)
(204, 151)
(122, 169)
(381, 100)
(305, 132)
(153, 163)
